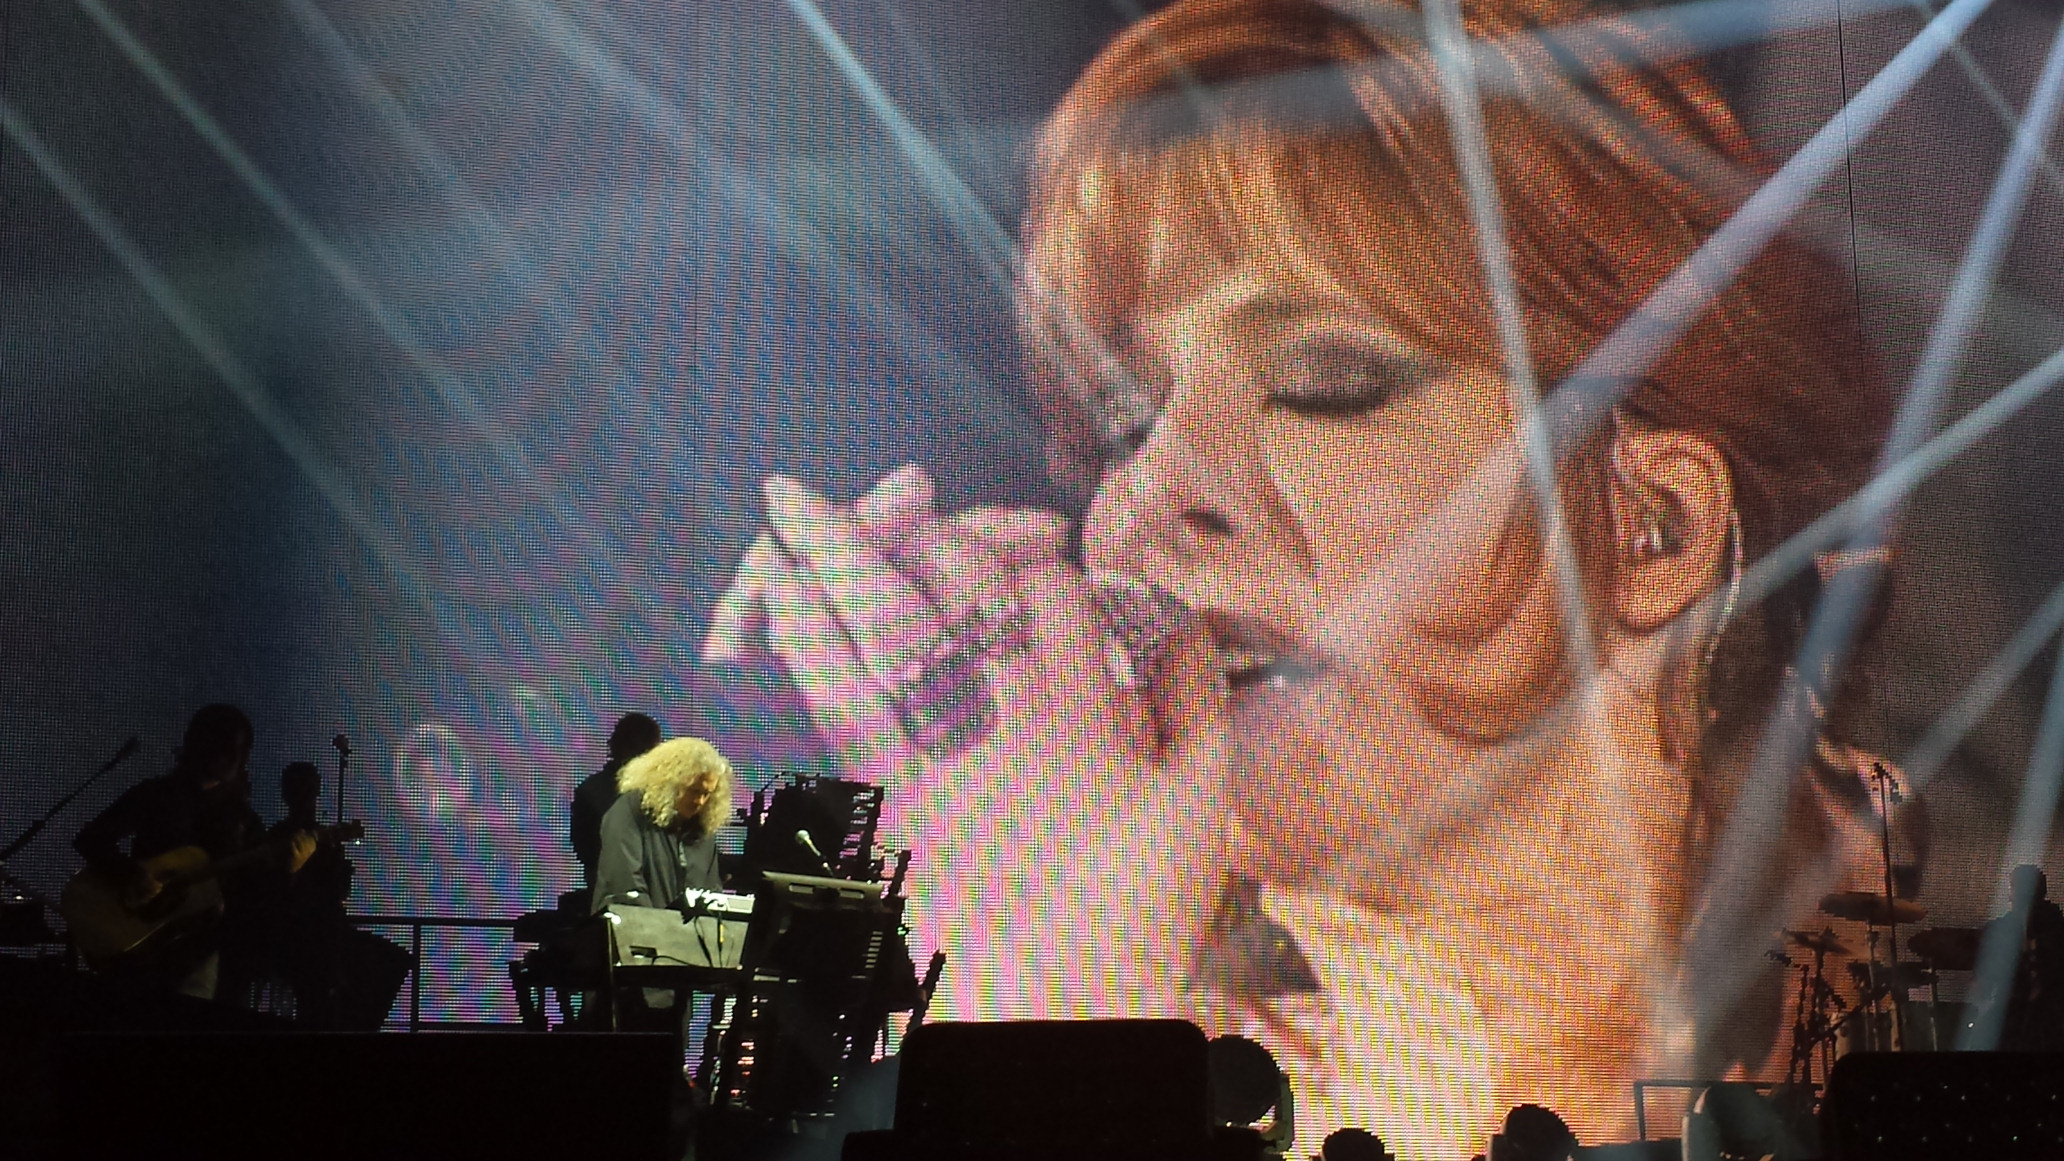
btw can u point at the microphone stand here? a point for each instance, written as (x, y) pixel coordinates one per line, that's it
(16, 893)
(35, 828)
(1886, 797)
(334, 984)
(343, 747)
(803, 840)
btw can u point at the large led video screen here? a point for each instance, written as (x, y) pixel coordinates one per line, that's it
(1437, 537)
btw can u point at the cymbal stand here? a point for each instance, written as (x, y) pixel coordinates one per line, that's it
(1802, 1027)
(1818, 1013)
(1878, 991)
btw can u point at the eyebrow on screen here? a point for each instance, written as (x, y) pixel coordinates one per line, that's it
(1278, 318)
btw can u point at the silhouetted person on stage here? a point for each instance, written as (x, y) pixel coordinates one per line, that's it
(204, 802)
(2035, 1003)
(634, 734)
(343, 978)
(309, 921)
(325, 882)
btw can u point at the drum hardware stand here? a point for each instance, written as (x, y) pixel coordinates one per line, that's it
(1880, 992)
(1819, 1009)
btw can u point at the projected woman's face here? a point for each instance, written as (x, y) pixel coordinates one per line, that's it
(1315, 487)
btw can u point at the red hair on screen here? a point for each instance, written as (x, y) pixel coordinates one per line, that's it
(1321, 135)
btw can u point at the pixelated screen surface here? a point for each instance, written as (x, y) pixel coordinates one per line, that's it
(1431, 538)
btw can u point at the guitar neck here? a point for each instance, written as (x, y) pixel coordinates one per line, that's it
(229, 864)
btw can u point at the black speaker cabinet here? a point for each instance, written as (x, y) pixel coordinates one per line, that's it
(1093, 1090)
(1945, 1106)
(311, 1096)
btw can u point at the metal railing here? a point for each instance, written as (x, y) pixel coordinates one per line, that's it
(1642, 1087)
(416, 924)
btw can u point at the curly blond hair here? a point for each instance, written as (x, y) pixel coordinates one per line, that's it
(683, 771)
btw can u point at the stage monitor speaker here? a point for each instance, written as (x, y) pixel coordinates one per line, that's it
(1054, 1090)
(310, 1096)
(1945, 1106)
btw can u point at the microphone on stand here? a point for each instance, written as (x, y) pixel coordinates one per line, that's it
(802, 838)
(129, 747)
(342, 745)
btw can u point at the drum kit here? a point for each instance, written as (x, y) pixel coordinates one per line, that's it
(1883, 1015)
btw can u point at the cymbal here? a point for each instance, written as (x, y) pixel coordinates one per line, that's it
(1870, 908)
(1949, 949)
(1826, 941)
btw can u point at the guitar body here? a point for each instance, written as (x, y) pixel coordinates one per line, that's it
(112, 932)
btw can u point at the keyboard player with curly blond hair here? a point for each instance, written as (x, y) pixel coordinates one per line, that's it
(659, 839)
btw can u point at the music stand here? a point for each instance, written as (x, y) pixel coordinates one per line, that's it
(814, 953)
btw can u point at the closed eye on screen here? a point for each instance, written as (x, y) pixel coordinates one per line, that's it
(1324, 376)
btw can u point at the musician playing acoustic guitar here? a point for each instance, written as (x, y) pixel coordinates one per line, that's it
(204, 802)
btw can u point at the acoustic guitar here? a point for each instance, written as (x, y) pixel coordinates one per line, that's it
(114, 927)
